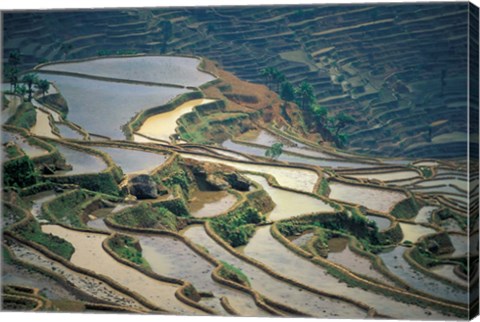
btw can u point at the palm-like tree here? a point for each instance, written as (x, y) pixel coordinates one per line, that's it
(305, 93)
(30, 80)
(43, 85)
(11, 73)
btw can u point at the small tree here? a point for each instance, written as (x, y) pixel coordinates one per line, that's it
(30, 80)
(274, 151)
(342, 121)
(320, 114)
(11, 74)
(305, 94)
(43, 85)
(287, 92)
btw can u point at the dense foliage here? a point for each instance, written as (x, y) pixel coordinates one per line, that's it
(237, 226)
(146, 216)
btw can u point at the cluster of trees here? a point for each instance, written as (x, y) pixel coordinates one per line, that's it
(329, 126)
(28, 82)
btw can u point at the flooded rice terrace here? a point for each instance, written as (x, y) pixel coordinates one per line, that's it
(307, 184)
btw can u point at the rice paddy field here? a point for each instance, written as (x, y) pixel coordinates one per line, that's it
(270, 161)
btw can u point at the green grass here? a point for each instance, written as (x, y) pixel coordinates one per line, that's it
(146, 216)
(25, 116)
(323, 188)
(32, 232)
(67, 208)
(6, 257)
(406, 209)
(233, 273)
(126, 247)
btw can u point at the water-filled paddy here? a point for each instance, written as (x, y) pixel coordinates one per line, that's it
(340, 253)
(204, 204)
(81, 162)
(413, 232)
(38, 200)
(447, 272)
(102, 107)
(399, 266)
(269, 251)
(424, 214)
(382, 222)
(157, 69)
(162, 125)
(386, 176)
(96, 259)
(134, 160)
(257, 151)
(460, 243)
(275, 289)
(67, 132)
(30, 149)
(86, 283)
(42, 126)
(287, 177)
(171, 257)
(284, 205)
(376, 199)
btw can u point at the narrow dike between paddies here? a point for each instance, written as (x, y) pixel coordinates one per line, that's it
(161, 126)
(95, 258)
(274, 288)
(84, 285)
(267, 249)
(170, 256)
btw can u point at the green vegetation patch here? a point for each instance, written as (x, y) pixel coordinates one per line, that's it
(147, 216)
(238, 226)
(234, 274)
(55, 101)
(323, 188)
(407, 208)
(128, 248)
(31, 231)
(19, 172)
(25, 116)
(68, 208)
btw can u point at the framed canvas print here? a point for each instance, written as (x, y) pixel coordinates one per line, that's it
(300, 160)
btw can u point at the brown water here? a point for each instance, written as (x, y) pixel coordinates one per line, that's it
(205, 204)
(263, 247)
(376, 199)
(340, 253)
(89, 254)
(284, 207)
(282, 292)
(424, 214)
(161, 126)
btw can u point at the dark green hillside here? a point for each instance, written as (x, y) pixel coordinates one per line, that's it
(398, 69)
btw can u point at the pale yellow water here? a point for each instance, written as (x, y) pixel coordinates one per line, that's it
(162, 125)
(413, 232)
(290, 204)
(42, 127)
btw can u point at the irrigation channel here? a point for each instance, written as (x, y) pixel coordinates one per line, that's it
(123, 122)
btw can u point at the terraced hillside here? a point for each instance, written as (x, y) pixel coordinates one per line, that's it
(397, 69)
(144, 183)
